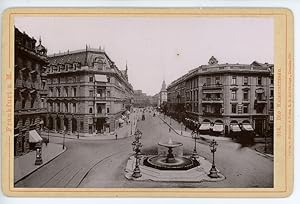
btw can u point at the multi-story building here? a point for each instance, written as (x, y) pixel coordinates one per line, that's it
(30, 63)
(225, 97)
(162, 94)
(87, 92)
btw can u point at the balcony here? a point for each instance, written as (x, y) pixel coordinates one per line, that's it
(212, 86)
(260, 100)
(212, 100)
(215, 114)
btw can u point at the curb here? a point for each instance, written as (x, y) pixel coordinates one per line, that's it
(268, 156)
(44, 163)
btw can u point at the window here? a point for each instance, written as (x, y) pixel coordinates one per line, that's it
(272, 106)
(233, 80)
(259, 80)
(233, 95)
(217, 80)
(208, 81)
(74, 108)
(107, 110)
(66, 91)
(91, 79)
(271, 93)
(91, 110)
(245, 80)
(57, 91)
(246, 95)
(66, 107)
(74, 91)
(245, 108)
(108, 79)
(272, 81)
(51, 92)
(81, 125)
(91, 93)
(233, 108)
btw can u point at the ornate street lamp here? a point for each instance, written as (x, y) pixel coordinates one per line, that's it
(38, 156)
(65, 128)
(136, 145)
(213, 173)
(195, 136)
(181, 127)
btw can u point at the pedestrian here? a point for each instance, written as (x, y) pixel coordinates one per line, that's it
(116, 136)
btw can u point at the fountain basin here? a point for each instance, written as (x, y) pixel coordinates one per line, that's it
(178, 163)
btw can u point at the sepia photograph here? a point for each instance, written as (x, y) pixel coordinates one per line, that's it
(112, 101)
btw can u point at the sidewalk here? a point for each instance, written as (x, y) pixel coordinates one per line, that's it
(176, 127)
(122, 132)
(24, 165)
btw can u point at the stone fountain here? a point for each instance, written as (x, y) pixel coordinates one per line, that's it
(170, 161)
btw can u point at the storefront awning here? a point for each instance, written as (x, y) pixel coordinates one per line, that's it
(34, 137)
(248, 127)
(205, 126)
(235, 128)
(218, 128)
(100, 78)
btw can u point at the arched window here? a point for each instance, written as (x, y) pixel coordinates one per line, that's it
(91, 110)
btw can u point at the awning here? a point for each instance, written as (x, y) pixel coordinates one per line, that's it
(121, 120)
(100, 78)
(248, 127)
(218, 128)
(34, 137)
(235, 128)
(205, 126)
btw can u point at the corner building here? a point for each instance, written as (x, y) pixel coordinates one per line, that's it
(87, 92)
(30, 65)
(225, 97)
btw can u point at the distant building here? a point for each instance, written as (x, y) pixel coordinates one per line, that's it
(30, 64)
(162, 94)
(87, 92)
(225, 97)
(140, 99)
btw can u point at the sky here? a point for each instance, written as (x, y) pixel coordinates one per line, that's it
(158, 48)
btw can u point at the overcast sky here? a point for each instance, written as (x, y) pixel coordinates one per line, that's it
(158, 48)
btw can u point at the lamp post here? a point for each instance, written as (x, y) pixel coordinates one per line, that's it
(64, 133)
(194, 136)
(136, 145)
(181, 127)
(213, 173)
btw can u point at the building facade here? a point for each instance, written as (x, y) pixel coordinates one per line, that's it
(225, 97)
(30, 64)
(163, 95)
(141, 100)
(87, 92)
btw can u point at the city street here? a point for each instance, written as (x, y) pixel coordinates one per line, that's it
(101, 163)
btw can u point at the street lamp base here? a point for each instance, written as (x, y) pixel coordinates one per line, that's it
(38, 161)
(213, 173)
(195, 154)
(136, 172)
